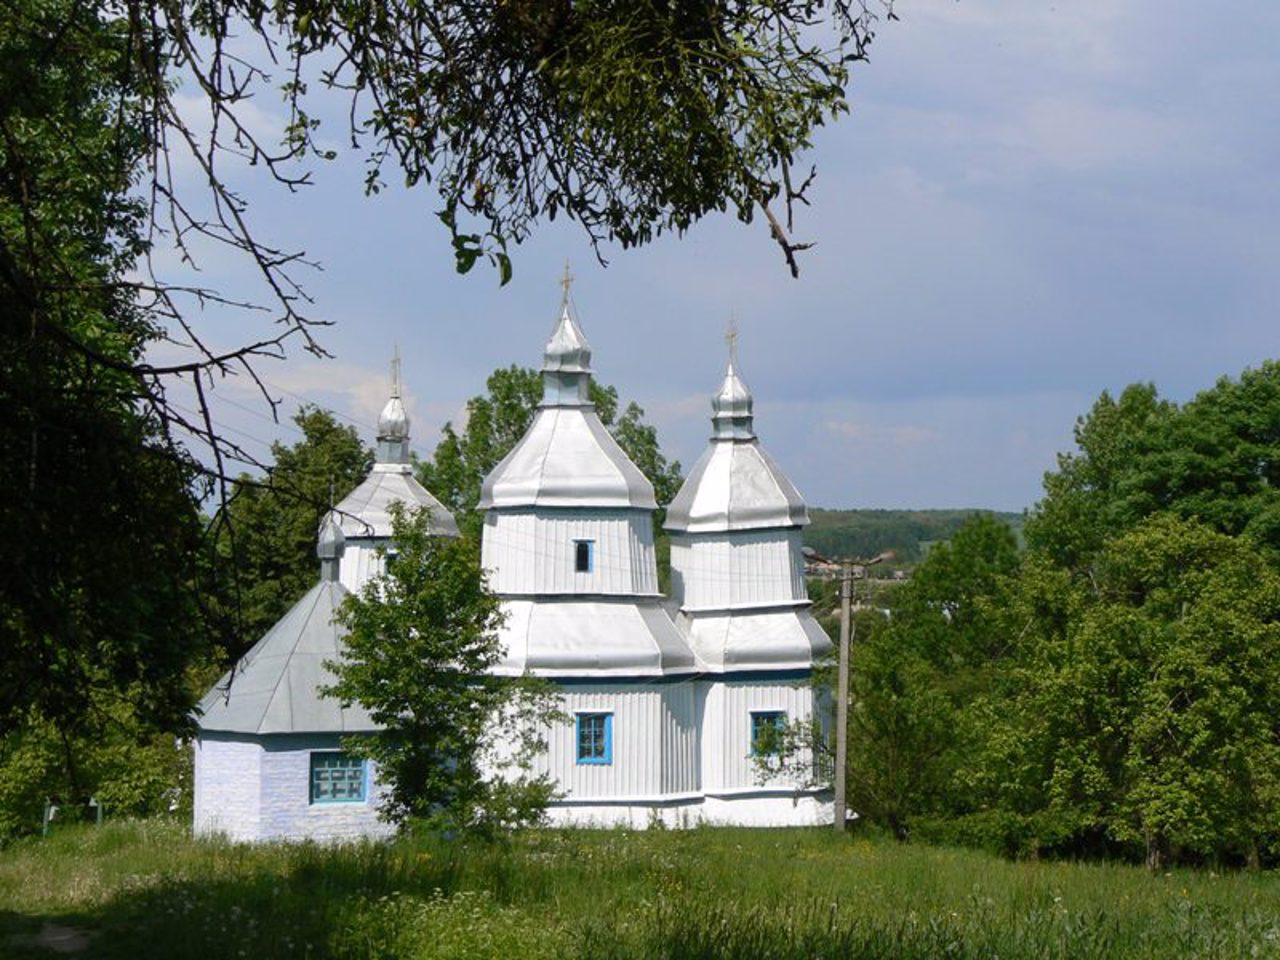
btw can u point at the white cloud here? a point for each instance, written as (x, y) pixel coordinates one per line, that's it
(901, 436)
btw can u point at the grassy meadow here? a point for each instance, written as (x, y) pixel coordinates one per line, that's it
(146, 890)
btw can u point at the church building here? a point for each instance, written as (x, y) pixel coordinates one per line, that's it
(669, 699)
(268, 758)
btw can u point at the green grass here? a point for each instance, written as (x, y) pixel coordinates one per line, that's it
(145, 890)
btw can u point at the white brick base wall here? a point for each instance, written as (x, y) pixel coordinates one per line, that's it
(259, 788)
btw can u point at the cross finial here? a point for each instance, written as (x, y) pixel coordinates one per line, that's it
(395, 371)
(566, 282)
(731, 338)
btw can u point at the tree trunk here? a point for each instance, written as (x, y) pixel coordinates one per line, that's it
(1155, 852)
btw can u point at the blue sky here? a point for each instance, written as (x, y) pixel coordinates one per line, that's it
(1029, 203)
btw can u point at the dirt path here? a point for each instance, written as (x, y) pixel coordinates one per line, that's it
(64, 940)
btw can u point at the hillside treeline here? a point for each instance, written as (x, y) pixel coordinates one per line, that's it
(908, 533)
(1114, 688)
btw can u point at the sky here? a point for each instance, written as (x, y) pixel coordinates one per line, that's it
(1030, 202)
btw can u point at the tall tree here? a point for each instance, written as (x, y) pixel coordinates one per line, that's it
(267, 540)
(1215, 459)
(1089, 497)
(419, 654)
(98, 598)
(1142, 708)
(917, 672)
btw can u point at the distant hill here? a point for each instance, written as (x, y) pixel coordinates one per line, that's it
(908, 533)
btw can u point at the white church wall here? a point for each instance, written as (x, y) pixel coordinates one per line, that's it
(359, 564)
(286, 808)
(728, 766)
(227, 773)
(738, 569)
(532, 551)
(783, 808)
(653, 749)
(259, 788)
(681, 772)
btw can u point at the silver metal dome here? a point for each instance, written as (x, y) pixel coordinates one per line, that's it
(567, 458)
(393, 422)
(735, 485)
(330, 545)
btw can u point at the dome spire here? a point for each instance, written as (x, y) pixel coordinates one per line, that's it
(566, 359)
(393, 422)
(731, 406)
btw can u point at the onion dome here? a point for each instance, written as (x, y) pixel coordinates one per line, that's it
(735, 485)
(365, 513)
(330, 546)
(393, 422)
(567, 458)
(731, 408)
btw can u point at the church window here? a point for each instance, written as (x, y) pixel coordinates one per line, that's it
(595, 737)
(767, 727)
(583, 555)
(337, 778)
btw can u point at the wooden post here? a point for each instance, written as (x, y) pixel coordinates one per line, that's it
(842, 698)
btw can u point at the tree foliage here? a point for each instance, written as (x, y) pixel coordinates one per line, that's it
(1215, 459)
(457, 739)
(629, 118)
(1142, 711)
(916, 671)
(98, 591)
(1114, 689)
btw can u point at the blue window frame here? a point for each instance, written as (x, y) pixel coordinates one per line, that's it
(595, 737)
(767, 727)
(583, 555)
(337, 778)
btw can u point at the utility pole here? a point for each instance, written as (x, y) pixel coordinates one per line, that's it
(838, 776)
(842, 695)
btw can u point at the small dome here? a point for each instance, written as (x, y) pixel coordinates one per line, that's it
(393, 422)
(731, 406)
(331, 541)
(567, 349)
(735, 485)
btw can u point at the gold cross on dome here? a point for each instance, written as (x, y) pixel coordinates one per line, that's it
(565, 283)
(731, 338)
(395, 372)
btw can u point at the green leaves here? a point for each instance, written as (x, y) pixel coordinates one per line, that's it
(458, 741)
(1147, 711)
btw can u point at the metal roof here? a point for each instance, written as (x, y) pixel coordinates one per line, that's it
(779, 639)
(570, 637)
(566, 458)
(735, 485)
(275, 686)
(365, 513)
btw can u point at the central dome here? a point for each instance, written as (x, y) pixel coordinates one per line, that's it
(567, 458)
